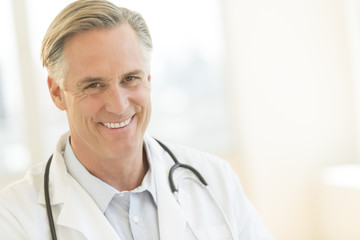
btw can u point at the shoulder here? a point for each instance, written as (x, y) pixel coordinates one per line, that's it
(19, 207)
(205, 162)
(25, 189)
(216, 171)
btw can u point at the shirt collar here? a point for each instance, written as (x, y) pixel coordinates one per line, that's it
(101, 192)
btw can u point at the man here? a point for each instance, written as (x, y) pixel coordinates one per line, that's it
(107, 178)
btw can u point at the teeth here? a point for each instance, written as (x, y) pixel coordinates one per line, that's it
(117, 125)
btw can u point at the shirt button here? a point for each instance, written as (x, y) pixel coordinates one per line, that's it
(136, 219)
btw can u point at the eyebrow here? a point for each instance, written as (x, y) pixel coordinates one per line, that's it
(134, 72)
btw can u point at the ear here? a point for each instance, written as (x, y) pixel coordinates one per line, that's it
(56, 94)
(149, 80)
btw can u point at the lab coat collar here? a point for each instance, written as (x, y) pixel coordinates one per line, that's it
(172, 221)
(58, 175)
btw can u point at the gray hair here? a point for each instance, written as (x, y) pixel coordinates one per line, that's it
(85, 15)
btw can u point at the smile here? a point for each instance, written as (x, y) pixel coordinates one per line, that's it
(117, 125)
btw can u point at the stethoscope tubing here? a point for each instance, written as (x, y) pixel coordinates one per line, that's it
(177, 165)
(47, 199)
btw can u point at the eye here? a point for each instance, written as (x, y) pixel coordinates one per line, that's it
(129, 78)
(93, 85)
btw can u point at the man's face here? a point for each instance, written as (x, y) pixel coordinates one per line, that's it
(106, 92)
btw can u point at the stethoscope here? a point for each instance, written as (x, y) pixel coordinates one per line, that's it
(173, 188)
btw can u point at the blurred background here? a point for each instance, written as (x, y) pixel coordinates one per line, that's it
(271, 86)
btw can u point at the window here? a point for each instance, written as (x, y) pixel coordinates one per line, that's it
(14, 155)
(352, 10)
(188, 94)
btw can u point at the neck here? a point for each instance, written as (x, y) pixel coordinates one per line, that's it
(123, 173)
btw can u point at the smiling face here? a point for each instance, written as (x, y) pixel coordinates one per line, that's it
(106, 93)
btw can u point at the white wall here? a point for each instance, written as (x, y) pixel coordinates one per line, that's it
(289, 65)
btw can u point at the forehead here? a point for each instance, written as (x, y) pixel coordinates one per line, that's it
(103, 51)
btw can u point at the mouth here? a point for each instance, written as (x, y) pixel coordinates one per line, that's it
(116, 125)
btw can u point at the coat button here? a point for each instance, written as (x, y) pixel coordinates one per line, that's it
(135, 219)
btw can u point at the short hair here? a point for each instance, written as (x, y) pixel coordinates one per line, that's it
(85, 15)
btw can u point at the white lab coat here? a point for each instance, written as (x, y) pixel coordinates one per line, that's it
(76, 216)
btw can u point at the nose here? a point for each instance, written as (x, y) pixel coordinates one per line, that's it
(117, 99)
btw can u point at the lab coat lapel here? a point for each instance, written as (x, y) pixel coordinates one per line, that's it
(172, 221)
(80, 212)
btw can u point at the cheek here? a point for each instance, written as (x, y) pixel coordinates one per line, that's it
(87, 107)
(142, 97)
(92, 106)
